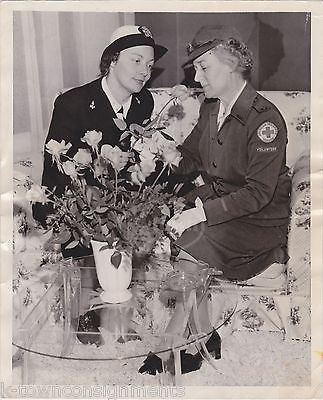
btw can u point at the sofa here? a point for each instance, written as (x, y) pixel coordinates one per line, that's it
(30, 280)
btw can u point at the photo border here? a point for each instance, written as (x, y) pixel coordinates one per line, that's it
(6, 125)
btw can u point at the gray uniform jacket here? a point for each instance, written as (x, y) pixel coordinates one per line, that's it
(246, 197)
(244, 161)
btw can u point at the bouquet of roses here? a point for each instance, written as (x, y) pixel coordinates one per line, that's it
(108, 198)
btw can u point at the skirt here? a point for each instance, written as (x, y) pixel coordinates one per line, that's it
(240, 250)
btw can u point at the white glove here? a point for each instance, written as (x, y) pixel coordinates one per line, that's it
(180, 222)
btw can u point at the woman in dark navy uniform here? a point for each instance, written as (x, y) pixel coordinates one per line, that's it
(125, 66)
(238, 223)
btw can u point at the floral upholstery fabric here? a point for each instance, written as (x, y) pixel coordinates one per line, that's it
(256, 312)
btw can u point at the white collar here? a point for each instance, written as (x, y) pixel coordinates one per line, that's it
(114, 103)
(226, 111)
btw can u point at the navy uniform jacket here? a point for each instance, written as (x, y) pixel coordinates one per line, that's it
(77, 111)
(244, 161)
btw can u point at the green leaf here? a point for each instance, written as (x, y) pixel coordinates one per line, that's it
(76, 235)
(72, 244)
(149, 133)
(167, 136)
(152, 123)
(101, 210)
(132, 168)
(135, 128)
(165, 210)
(116, 259)
(124, 136)
(121, 124)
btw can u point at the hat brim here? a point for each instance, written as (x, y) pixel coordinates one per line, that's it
(159, 51)
(135, 40)
(198, 52)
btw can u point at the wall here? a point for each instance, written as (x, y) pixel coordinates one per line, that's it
(280, 43)
(67, 47)
(284, 51)
(51, 51)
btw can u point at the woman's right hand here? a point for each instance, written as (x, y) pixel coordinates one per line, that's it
(204, 192)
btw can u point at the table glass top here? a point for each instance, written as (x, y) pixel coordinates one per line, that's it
(125, 330)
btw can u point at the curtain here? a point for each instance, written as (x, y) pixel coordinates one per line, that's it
(52, 50)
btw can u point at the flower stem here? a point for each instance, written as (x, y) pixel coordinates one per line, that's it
(140, 187)
(156, 119)
(159, 175)
(116, 187)
(133, 145)
(165, 105)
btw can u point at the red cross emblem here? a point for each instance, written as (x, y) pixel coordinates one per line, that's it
(267, 132)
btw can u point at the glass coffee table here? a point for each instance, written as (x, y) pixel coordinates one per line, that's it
(50, 346)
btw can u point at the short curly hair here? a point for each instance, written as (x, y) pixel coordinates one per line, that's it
(106, 60)
(240, 51)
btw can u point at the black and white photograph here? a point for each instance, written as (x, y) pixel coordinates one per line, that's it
(161, 210)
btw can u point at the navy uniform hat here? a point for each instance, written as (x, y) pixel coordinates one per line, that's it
(209, 37)
(130, 36)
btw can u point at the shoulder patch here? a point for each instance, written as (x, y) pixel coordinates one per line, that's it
(267, 132)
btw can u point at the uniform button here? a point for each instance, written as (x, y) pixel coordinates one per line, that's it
(214, 164)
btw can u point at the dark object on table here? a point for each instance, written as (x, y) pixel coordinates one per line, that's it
(189, 362)
(213, 346)
(89, 322)
(152, 365)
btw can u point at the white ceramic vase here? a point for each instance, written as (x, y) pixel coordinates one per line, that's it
(113, 280)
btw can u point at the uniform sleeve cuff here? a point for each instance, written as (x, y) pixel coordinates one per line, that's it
(216, 211)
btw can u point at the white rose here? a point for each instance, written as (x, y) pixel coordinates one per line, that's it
(139, 172)
(69, 169)
(137, 176)
(147, 166)
(168, 151)
(92, 138)
(181, 92)
(171, 155)
(56, 149)
(115, 156)
(157, 142)
(36, 194)
(83, 157)
(146, 147)
(106, 151)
